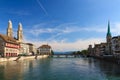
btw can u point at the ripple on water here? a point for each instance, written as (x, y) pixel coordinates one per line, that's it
(59, 69)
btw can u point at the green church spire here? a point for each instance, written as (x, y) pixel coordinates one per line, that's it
(108, 31)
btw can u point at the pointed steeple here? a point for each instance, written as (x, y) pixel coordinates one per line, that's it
(108, 31)
(108, 39)
(108, 36)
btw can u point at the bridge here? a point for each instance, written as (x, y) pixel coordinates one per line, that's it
(64, 55)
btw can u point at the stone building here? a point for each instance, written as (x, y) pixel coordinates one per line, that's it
(11, 46)
(90, 51)
(8, 45)
(108, 40)
(100, 49)
(44, 50)
(32, 49)
(27, 49)
(103, 48)
(116, 45)
(97, 50)
(9, 29)
(24, 49)
(20, 33)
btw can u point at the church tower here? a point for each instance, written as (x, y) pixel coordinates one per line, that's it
(9, 29)
(108, 39)
(20, 33)
(108, 36)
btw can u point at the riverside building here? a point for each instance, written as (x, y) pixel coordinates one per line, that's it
(104, 48)
(8, 46)
(44, 50)
(32, 49)
(116, 45)
(11, 46)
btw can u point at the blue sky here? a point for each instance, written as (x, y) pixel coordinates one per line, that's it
(63, 24)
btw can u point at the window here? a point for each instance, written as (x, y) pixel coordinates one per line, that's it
(6, 49)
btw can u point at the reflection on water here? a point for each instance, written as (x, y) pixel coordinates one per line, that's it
(59, 69)
(111, 70)
(15, 70)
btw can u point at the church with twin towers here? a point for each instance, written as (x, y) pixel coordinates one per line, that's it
(19, 31)
(11, 46)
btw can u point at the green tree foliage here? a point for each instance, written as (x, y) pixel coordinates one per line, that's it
(84, 52)
(52, 52)
(76, 52)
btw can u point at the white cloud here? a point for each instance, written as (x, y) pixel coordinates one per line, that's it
(62, 44)
(70, 28)
(69, 46)
(62, 29)
(77, 45)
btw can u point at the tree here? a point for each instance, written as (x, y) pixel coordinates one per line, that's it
(52, 52)
(84, 52)
(76, 52)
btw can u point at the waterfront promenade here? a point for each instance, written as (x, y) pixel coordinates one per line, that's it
(22, 58)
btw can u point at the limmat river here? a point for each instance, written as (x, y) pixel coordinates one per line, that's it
(59, 69)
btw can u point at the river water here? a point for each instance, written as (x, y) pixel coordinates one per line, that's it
(59, 69)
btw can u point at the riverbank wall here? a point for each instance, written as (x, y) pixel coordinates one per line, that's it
(22, 58)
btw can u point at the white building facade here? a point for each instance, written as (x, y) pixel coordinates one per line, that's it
(44, 50)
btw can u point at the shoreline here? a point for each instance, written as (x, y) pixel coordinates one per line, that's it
(22, 58)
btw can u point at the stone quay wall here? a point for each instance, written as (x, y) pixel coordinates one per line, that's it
(22, 58)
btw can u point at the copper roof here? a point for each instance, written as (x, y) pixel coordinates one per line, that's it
(8, 39)
(45, 46)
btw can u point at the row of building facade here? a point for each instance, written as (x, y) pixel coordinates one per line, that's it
(109, 48)
(11, 46)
